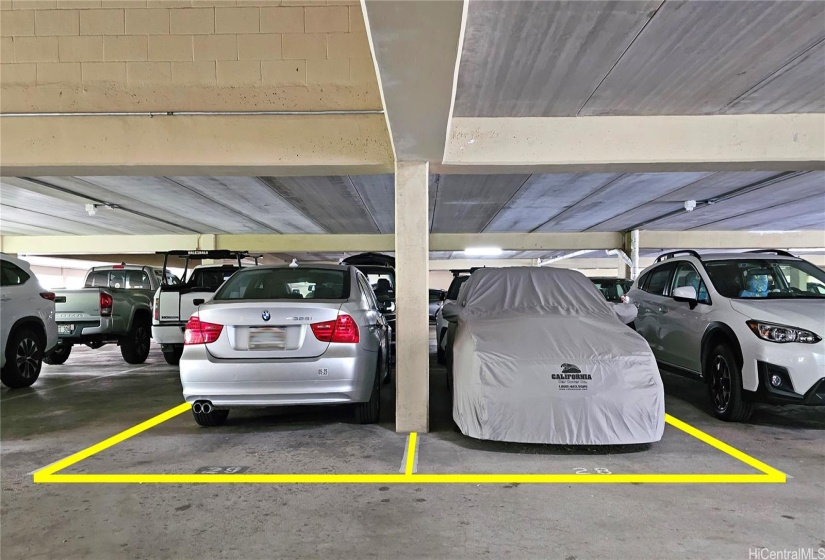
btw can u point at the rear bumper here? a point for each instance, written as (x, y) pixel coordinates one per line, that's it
(344, 374)
(168, 333)
(99, 329)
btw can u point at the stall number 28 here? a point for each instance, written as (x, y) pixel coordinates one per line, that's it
(323, 371)
(597, 470)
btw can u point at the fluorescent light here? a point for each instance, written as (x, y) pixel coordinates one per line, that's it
(483, 251)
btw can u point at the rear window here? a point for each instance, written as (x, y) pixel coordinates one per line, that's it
(210, 278)
(131, 279)
(455, 287)
(11, 274)
(285, 283)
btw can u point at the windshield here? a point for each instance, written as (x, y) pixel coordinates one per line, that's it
(285, 283)
(766, 278)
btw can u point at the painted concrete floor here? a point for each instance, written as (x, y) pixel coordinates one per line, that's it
(95, 395)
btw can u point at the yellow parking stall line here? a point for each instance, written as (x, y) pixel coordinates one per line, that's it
(49, 474)
(408, 479)
(411, 450)
(112, 441)
(725, 448)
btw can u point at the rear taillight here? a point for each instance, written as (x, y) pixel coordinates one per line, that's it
(105, 305)
(343, 329)
(48, 295)
(201, 332)
(156, 309)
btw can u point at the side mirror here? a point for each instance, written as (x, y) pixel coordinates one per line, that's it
(386, 306)
(197, 302)
(685, 294)
(450, 311)
(443, 296)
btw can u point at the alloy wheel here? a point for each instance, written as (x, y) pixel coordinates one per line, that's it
(26, 358)
(720, 383)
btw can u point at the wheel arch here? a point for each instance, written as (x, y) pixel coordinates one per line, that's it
(31, 321)
(141, 313)
(719, 333)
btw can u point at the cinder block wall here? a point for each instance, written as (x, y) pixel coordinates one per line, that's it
(167, 55)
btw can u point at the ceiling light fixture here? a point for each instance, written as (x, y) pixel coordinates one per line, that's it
(483, 251)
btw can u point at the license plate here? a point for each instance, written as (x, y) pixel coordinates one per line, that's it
(65, 328)
(267, 338)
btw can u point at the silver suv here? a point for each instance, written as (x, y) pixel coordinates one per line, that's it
(749, 324)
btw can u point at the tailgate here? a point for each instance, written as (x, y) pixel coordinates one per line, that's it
(169, 306)
(77, 305)
(287, 334)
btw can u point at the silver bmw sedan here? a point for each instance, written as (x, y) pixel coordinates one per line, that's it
(281, 335)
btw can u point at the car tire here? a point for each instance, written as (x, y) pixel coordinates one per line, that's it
(134, 347)
(725, 386)
(172, 355)
(212, 418)
(369, 412)
(59, 355)
(24, 359)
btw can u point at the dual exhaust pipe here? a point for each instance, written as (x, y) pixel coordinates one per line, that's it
(204, 407)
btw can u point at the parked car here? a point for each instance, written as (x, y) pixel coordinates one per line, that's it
(28, 329)
(380, 272)
(749, 324)
(259, 343)
(459, 277)
(537, 355)
(613, 289)
(175, 303)
(114, 306)
(436, 297)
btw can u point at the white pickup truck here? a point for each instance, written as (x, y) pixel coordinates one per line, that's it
(174, 304)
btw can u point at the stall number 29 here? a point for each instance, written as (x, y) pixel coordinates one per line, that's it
(323, 371)
(597, 470)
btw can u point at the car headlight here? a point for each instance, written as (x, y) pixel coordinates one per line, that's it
(781, 333)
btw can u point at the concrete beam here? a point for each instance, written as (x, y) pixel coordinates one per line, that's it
(300, 243)
(274, 145)
(416, 47)
(784, 142)
(731, 240)
(526, 241)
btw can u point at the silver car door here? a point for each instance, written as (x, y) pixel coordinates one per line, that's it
(684, 324)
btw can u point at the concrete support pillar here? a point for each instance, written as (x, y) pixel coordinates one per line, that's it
(412, 381)
(634, 254)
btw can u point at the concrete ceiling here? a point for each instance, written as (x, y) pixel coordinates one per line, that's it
(569, 58)
(458, 203)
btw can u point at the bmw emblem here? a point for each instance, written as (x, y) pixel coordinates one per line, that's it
(265, 315)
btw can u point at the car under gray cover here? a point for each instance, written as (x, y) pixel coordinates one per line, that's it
(539, 356)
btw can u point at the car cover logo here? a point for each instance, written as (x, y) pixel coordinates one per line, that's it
(265, 315)
(571, 378)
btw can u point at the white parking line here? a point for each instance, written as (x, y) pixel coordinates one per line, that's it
(41, 391)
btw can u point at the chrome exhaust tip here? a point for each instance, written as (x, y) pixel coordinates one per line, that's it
(206, 407)
(196, 408)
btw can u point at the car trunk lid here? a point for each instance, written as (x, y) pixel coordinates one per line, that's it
(268, 329)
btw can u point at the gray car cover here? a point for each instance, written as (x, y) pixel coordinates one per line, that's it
(539, 356)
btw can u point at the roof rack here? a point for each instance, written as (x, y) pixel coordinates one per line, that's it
(460, 271)
(779, 252)
(672, 254)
